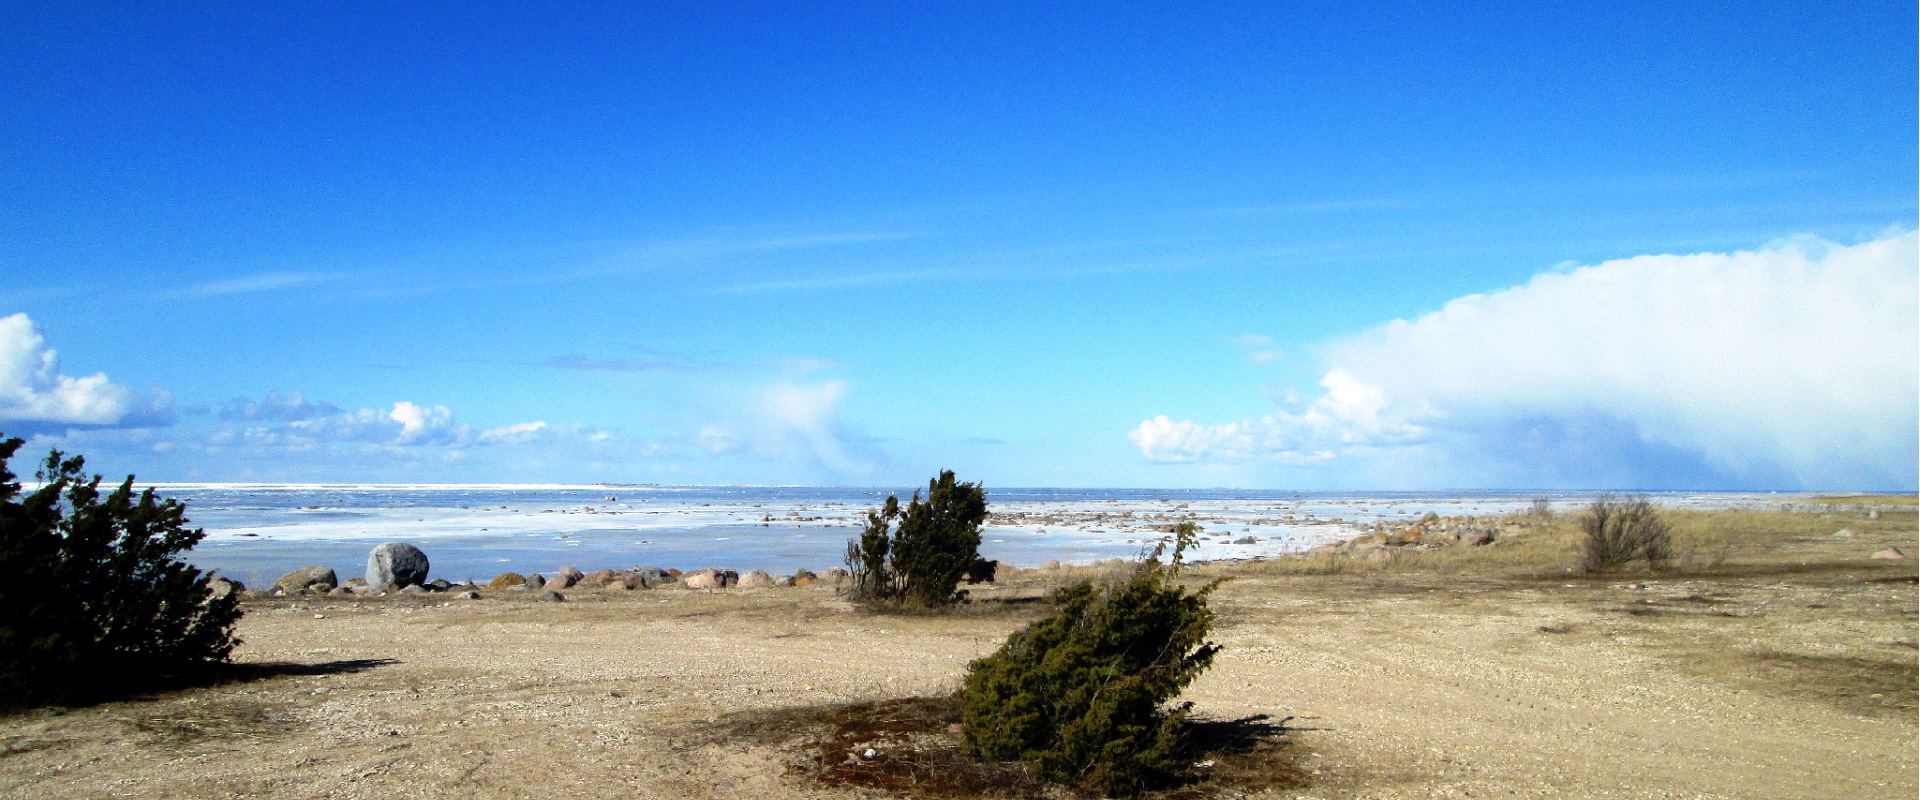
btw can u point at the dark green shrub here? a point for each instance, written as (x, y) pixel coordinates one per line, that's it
(1618, 532)
(91, 597)
(920, 554)
(1082, 696)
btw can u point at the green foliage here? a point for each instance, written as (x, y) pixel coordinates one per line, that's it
(1618, 532)
(920, 554)
(93, 594)
(1082, 695)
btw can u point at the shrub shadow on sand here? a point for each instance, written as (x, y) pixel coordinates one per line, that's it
(152, 685)
(916, 752)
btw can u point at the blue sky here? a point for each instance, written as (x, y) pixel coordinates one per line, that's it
(1345, 246)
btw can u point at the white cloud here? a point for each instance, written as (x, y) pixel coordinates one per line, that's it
(1351, 414)
(1793, 365)
(33, 391)
(515, 434)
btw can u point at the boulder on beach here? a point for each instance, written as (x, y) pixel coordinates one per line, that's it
(1889, 552)
(599, 578)
(439, 584)
(395, 565)
(710, 579)
(466, 595)
(308, 576)
(570, 572)
(1473, 537)
(506, 579)
(558, 582)
(755, 578)
(649, 577)
(339, 591)
(536, 580)
(413, 588)
(551, 596)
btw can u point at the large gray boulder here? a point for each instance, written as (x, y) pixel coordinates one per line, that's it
(648, 577)
(394, 565)
(308, 576)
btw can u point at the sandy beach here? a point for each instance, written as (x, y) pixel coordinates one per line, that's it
(1784, 670)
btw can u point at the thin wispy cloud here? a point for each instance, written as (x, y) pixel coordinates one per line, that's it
(262, 282)
(1301, 207)
(847, 281)
(588, 363)
(624, 260)
(710, 247)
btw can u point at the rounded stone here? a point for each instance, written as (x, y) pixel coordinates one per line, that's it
(308, 576)
(395, 565)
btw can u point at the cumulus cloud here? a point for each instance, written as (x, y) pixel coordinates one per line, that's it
(35, 394)
(1351, 414)
(1789, 366)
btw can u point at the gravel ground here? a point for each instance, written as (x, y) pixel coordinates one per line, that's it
(1763, 685)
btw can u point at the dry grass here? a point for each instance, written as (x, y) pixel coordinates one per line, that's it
(1703, 542)
(1865, 499)
(1766, 619)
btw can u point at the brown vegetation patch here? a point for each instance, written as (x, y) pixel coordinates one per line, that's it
(181, 723)
(1860, 685)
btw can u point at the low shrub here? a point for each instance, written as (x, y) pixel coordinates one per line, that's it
(1082, 696)
(94, 599)
(920, 554)
(1617, 532)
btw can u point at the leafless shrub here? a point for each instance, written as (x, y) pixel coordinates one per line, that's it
(1542, 509)
(1618, 532)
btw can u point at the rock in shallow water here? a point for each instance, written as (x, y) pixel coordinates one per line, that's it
(396, 564)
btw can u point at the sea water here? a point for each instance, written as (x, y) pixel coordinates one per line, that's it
(256, 532)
